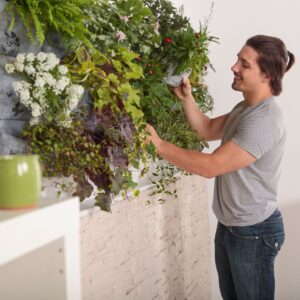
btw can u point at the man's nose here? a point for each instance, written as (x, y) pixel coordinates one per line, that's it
(234, 68)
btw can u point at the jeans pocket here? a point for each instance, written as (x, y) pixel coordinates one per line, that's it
(245, 232)
(274, 242)
(272, 245)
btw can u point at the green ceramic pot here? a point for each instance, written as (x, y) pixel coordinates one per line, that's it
(20, 181)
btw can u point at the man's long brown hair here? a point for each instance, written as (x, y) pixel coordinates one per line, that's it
(273, 59)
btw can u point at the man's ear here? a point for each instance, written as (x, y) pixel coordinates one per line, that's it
(266, 77)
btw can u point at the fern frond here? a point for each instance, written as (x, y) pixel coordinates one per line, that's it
(24, 13)
(34, 10)
(10, 8)
(39, 16)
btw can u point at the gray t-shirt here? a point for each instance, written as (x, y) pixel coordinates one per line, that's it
(248, 196)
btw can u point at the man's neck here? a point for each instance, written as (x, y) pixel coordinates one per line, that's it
(256, 98)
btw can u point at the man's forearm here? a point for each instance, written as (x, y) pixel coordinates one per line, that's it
(195, 117)
(188, 160)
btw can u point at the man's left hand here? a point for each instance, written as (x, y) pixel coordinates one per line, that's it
(153, 136)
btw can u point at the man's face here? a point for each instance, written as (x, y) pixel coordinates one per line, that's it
(247, 75)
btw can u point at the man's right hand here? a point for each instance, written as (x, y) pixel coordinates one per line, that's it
(184, 91)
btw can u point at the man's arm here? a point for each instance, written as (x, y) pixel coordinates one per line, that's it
(210, 129)
(227, 158)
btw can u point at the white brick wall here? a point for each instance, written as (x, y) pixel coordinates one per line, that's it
(149, 251)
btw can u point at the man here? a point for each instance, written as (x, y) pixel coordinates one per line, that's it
(250, 230)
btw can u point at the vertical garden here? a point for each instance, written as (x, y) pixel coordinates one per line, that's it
(95, 76)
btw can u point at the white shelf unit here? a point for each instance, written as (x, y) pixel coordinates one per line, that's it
(39, 252)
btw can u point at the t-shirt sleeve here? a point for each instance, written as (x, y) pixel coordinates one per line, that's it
(256, 135)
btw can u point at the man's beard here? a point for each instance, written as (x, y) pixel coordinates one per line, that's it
(235, 86)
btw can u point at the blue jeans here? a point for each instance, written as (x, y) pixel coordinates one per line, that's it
(245, 258)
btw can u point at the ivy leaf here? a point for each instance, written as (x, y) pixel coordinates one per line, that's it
(104, 97)
(130, 94)
(128, 56)
(135, 72)
(83, 188)
(150, 148)
(136, 113)
(103, 201)
(118, 180)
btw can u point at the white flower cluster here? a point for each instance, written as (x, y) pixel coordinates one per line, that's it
(45, 79)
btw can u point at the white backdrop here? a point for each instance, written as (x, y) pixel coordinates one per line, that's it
(233, 22)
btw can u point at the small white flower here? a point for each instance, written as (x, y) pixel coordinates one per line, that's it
(17, 86)
(9, 68)
(41, 56)
(30, 57)
(19, 66)
(124, 18)
(39, 82)
(21, 85)
(52, 60)
(26, 85)
(36, 110)
(120, 35)
(45, 67)
(39, 94)
(20, 58)
(49, 79)
(73, 102)
(62, 83)
(62, 70)
(79, 90)
(25, 97)
(29, 70)
(75, 90)
(156, 28)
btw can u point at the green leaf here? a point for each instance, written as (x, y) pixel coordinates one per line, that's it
(113, 78)
(103, 201)
(117, 65)
(128, 56)
(135, 72)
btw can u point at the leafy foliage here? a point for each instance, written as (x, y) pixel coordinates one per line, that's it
(124, 50)
(105, 139)
(133, 18)
(40, 16)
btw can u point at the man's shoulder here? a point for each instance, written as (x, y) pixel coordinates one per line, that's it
(238, 105)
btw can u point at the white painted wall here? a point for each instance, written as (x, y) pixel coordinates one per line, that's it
(144, 250)
(233, 22)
